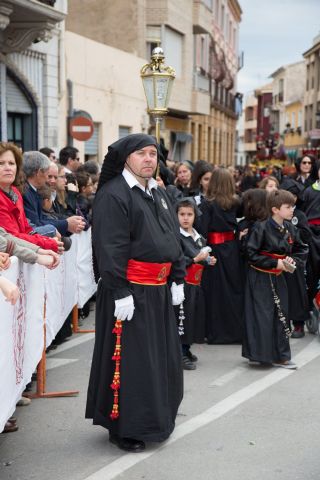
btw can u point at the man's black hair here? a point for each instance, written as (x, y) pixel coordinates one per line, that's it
(66, 153)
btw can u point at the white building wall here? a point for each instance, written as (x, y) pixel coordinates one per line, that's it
(107, 84)
(39, 67)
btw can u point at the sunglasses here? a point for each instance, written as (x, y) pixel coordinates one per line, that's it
(306, 163)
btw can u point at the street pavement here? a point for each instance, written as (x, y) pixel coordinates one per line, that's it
(236, 422)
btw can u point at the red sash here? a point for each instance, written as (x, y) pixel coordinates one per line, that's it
(147, 273)
(214, 238)
(314, 221)
(194, 274)
(275, 271)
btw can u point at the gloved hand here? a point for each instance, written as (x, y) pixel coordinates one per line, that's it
(206, 249)
(177, 292)
(124, 308)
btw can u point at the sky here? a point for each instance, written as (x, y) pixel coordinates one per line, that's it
(274, 33)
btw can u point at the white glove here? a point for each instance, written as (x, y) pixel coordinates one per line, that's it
(124, 308)
(177, 292)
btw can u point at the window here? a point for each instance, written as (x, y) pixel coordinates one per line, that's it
(299, 119)
(281, 89)
(124, 131)
(293, 120)
(173, 49)
(306, 118)
(91, 146)
(153, 37)
(199, 142)
(15, 129)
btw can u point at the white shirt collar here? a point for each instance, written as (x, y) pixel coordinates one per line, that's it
(195, 236)
(66, 169)
(133, 182)
(32, 186)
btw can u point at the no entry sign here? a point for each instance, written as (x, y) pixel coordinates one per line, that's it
(81, 128)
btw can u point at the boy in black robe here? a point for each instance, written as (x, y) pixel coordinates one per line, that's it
(273, 245)
(136, 382)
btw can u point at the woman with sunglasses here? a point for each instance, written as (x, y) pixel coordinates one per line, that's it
(306, 170)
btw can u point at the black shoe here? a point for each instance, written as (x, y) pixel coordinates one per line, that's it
(187, 364)
(192, 358)
(298, 332)
(127, 444)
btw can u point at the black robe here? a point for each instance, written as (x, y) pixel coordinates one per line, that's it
(223, 284)
(311, 208)
(193, 305)
(264, 339)
(297, 287)
(129, 224)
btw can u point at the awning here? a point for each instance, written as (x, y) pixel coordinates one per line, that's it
(183, 137)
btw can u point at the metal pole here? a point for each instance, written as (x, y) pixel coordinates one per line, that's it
(158, 123)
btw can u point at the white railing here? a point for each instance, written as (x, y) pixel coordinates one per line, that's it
(47, 296)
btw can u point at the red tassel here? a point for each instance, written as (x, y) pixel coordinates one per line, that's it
(115, 385)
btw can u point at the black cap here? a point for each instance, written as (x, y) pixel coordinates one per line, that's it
(119, 151)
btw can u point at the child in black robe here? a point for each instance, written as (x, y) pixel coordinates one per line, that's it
(311, 208)
(273, 247)
(196, 254)
(297, 287)
(223, 285)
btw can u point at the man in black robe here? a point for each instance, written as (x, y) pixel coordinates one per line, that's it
(136, 382)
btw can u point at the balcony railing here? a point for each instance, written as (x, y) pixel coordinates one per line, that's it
(223, 99)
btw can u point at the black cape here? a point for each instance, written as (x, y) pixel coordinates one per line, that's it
(222, 284)
(311, 208)
(264, 337)
(129, 224)
(297, 286)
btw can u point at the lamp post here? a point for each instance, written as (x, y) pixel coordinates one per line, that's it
(157, 79)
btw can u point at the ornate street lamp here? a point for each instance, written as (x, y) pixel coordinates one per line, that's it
(157, 80)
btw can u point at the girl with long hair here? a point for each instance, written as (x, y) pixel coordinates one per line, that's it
(200, 179)
(222, 285)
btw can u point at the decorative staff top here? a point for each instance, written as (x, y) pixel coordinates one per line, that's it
(157, 79)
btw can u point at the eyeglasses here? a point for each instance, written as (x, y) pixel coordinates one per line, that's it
(306, 163)
(62, 176)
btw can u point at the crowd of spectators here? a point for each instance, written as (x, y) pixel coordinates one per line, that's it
(44, 201)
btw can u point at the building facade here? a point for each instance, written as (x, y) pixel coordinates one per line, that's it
(250, 127)
(30, 73)
(294, 140)
(288, 87)
(105, 83)
(312, 97)
(200, 40)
